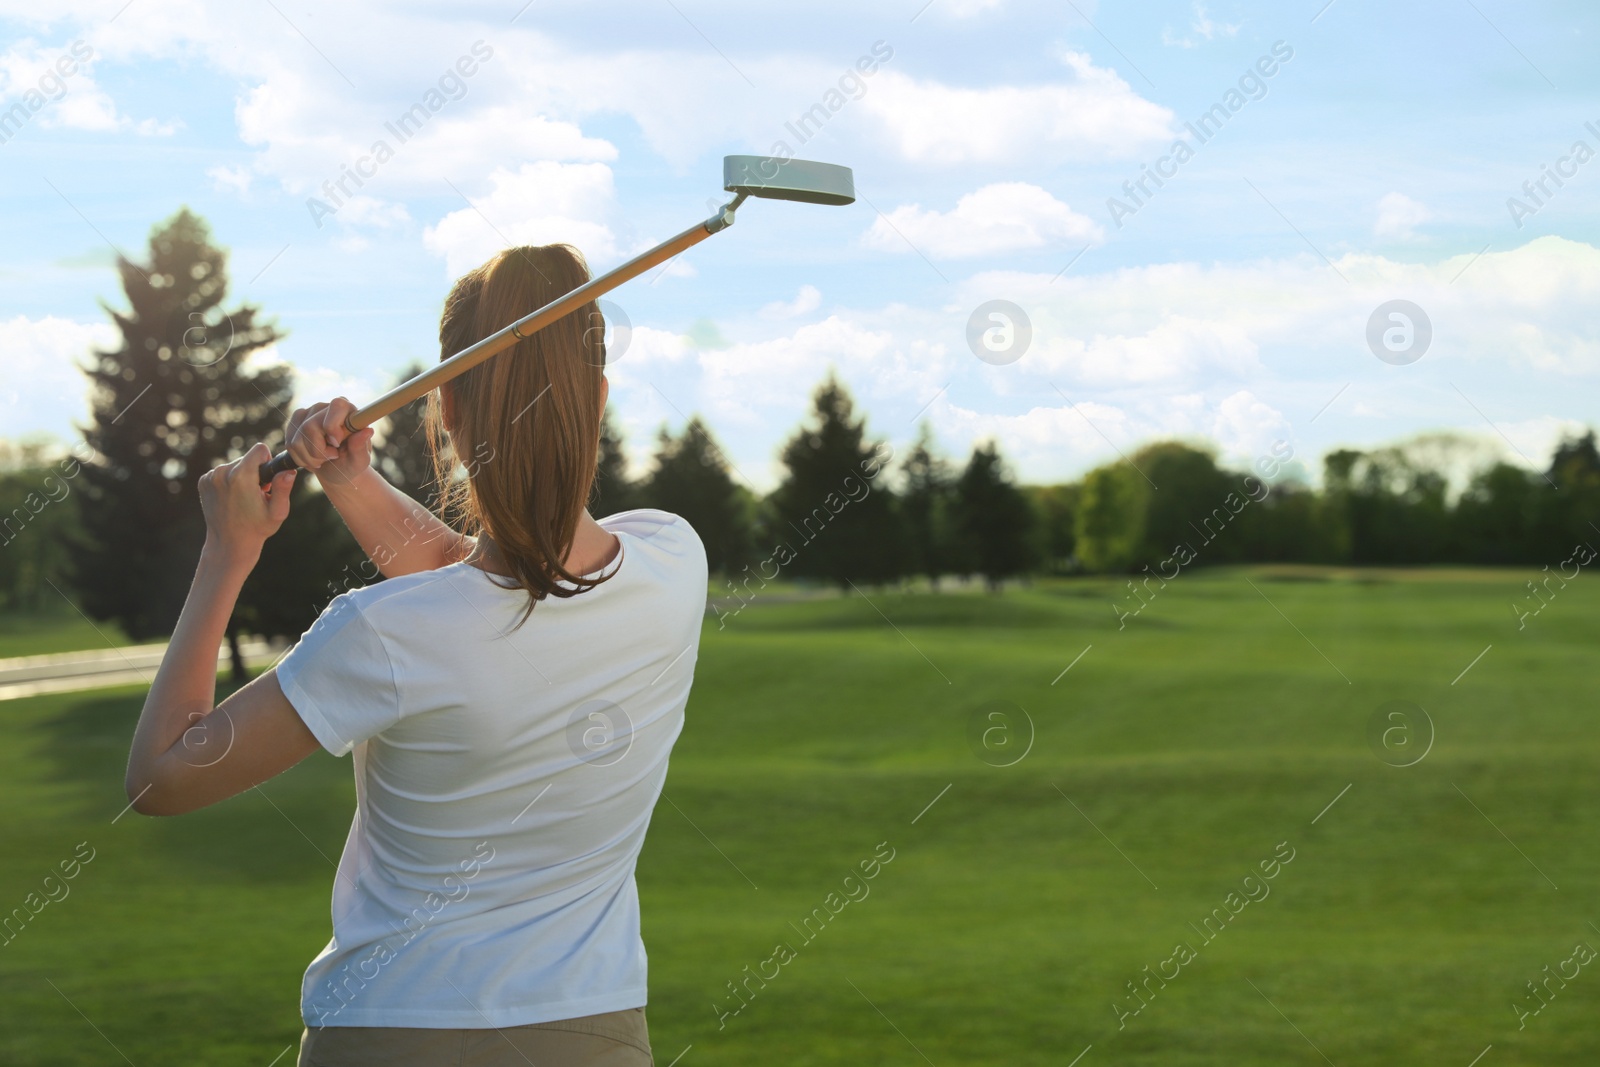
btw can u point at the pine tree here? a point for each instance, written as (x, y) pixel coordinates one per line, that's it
(691, 479)
(995, 518)
(613, 491)
(925, 505)
(836, 517)
(167, 405)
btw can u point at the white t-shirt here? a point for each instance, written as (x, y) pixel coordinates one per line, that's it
(504, 781)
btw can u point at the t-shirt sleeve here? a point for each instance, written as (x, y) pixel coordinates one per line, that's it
(340, 680)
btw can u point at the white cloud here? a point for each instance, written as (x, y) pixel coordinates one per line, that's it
(676, 267)
(1398, 215)
(1045, 442)
(1246, 428)
(1536, 439)
(1169, 348)
(809, 298)
(1002, 217)
(745, 381)
(236, 178)
(648, 348)
(41, 387)
(370, 211)
(526, 103)
(1217, 348)
(1534, 307)
(541, 203)
(1043, 438)
(85, 107)
(157, 128)
(73, 101)
(315, 384)
(1203, 27)
(1094, 116)
(307, 140)
(1241, 354)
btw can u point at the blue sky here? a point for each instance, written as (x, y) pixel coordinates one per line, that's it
(1373, 164)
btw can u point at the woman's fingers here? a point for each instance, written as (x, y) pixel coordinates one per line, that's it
(320, 431)
(237, 509)
(248, 465)
(320, 434)
(334, 424)
(359, 444)
(278, 496)
(304, 440)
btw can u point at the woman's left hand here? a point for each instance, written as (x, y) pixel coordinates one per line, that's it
(240, 512)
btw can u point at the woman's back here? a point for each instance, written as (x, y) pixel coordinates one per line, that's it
(505, 778)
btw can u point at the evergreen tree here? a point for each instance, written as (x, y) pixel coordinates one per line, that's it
(691, 479)
(836, 517)
(168, 404)
(995, 519)
(613, 491)
(925, 507)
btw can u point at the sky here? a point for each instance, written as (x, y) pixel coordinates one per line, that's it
(1080, 226)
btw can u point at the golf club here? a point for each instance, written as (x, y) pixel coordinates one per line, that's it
(766, 177)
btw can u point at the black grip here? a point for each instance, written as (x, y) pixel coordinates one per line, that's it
(276, 466)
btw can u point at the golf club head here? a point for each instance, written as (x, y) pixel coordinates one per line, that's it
(788, 179)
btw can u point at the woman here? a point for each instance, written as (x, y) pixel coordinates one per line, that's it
(510, 696)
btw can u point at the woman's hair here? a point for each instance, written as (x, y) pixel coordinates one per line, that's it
(526, 423)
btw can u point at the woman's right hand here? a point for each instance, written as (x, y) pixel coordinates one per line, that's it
(320, 442)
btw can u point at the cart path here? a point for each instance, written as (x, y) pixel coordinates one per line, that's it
(68, 672)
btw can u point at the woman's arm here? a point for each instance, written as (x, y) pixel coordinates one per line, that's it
(186, 753)
(398, 534)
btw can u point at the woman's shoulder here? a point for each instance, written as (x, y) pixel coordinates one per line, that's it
(650, 523)
(659, 532)
(403, 594)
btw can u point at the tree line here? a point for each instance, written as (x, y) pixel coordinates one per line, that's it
(847, 510)
(115, 525)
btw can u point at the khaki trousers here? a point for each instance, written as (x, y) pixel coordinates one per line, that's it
(614, 1039)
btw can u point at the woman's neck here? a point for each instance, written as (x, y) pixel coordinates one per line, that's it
(593, 547)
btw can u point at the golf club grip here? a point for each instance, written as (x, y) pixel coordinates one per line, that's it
(276, 466)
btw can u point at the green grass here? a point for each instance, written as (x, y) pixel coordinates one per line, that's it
(1197, 739)
(33, 635)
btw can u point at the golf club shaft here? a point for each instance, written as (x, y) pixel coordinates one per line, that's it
(497, 342)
